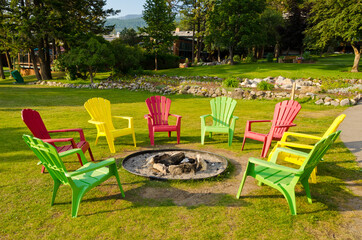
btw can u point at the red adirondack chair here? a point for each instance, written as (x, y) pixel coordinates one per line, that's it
(157, 119)
(284, 114)
(36, 125)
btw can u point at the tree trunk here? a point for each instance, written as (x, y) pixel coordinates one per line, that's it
(34, 60)
(44, 61)
(156, 65)
(91, 74)
(2, 74)
(218, 55)
(8, 59)
(193, 44)
(357, 55)
(231, 55)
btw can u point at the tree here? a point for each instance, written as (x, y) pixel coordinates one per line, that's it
(236, 22)
(160, 23)
(126, 57)
(95, 54)
(129, 36)
(336, 20)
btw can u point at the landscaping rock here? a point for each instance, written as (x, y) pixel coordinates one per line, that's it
(345, 102)
(319, 102)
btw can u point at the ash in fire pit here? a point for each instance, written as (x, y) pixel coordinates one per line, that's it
(175, 164)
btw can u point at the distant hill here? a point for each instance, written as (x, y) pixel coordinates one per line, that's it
(130, 21)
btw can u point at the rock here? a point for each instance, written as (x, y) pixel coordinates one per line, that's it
(319, 102)
(327, 99)
(344, 102)
(327, 103)
(160, 167)
(353, 102)
(334, 103)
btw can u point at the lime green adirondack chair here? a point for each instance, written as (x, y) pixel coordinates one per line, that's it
(82, 180)
(285, 178)
(222, 109)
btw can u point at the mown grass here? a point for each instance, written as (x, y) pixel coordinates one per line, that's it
(144, 214)
(331, 67)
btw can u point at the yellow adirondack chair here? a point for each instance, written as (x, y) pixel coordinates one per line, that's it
(299, 159)
(100, 111)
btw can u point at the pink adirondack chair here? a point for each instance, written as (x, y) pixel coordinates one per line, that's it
(284, 114)
(36, 125)
(157, 119)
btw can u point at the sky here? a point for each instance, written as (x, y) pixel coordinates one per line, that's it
(126, 6)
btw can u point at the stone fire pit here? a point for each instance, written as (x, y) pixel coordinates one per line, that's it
(182, 164)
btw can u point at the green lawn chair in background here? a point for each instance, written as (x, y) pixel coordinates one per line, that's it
(82, 180)
(285, 178)
(16, 75)
(223, 121)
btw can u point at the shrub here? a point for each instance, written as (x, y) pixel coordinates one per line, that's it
(164, 61)
(127, 58)
(306, 55)
(269, 57)
(236, 58)
(263, 85)
(231, 82)
(250, 58)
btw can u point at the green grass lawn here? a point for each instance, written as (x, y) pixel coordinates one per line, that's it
(204, 209)
(333, 67)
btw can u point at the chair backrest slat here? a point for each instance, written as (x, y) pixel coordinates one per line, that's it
(34, 122)
(284, 114)
(316, 154)
(48, 156)
(100, 110)
(159, 109)
(222, 109)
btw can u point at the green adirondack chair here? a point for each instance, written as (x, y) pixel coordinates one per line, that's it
(82, 180)
(285, 178)
(222, 109)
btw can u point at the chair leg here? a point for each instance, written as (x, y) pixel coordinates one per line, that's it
(91, 154)
(96, 140)
(242, 147)
(178, 136)
(55, 189)
(110, 142)
(231, 135)
(265, 149)
(242, 184)
(169, 134)
(134, 138)
(289, 194)
(307, 190)
(80, 159)
(76, 198)
(118, 179)
(42, 169)
(210, 134)
(152, 138)
(203, 136)
(313, 176)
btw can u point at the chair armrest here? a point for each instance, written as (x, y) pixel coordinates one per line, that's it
(287, 150)
(91, 167)
(294, 145)
(274, 166)
(249, 122)
(174, 115)
(205, 116)
(81, 134)
(235, 117)
(147, 116)
(96, 122)
(71, 140)
(285, 125)
(130, 120)
(73, 151)
(302, 135)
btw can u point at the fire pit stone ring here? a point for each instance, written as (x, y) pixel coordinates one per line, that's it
(175, 164)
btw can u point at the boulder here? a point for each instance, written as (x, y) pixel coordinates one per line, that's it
(344, 102)
(319, 102)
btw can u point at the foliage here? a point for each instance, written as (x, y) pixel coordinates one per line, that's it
(231, 82)
(335, 20)
(250, 58)
(160, 23)
(127, 57)
(165, 61)
(96, 54)
(270, 57)
(236, 22)
(236, 58)
(263, 86)
(307, 55)
(328, 83)
(129, 36)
